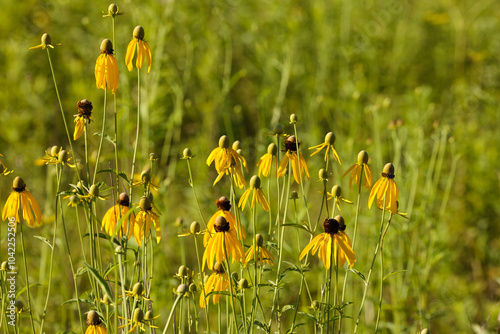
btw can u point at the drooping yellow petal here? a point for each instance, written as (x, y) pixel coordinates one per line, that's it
(130, 53)
(243, 200)
(148, 55)
(313, 242)
(79, 127)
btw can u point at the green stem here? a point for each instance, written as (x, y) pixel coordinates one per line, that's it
(138, 124)
(202, 279)
(228, 271)
(191, 183)
(27, 280)
(102, 136)
(58, 173)
(179, 297)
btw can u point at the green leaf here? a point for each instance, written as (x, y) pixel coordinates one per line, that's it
(120, 222)
(286, 308)
(310, 316)
(394, 273)
(107, 137)
(102, 282)
(86, 301)
(114, 171)
(44, 240)
(358, 273)
(298, 226)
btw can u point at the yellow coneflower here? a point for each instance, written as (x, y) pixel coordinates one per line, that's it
(329, 144)
(3, 169)
(46, 43)
(95, 324)
(137, 292)
(336, 194)
(218, 281)
(293, 155)
(56, 156)
(91, 193)
(146, 180)
(358, 168)
(106, 68)
(84, 116)
(226, 160)
(266, 162)
(257, 195)
(224, 206)
(142, 47)
(334, 239)
(385, 189)
(21, 197)
(144, 219)
(139, 320)
(263, 255)
(114, 214)
(222, 244)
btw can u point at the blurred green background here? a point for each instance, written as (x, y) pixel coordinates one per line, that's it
(412, 82)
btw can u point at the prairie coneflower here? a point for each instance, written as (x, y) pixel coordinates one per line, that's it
(143, 221)
(56, 156)
(385, 190)
(226, 160)
(336, 194)
(266, 162)
(224, 206)
(222, 244)
(146, 180)
(21, 197)
(95, 324)
(115, 213)
(106, 68)
(46, 43)
(218, 281)
(293, 155)
(257, 195)
(329, 144)
(263, 255)
(142, 47)
(139, 320)
(358, 168)
(83, 117)
(334, 239)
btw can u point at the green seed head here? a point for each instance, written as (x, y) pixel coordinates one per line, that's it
(362, 157)
(138, 289)
(94, 190)
(46, 39)
(272, 149)
(336, 190)
(323, 174)
(236, 145)
(182, 289)
(138, 315)
(182, 271)
(193, 287)
(54, 150)
(107, 46)
(139, 32)
(388, 169)
(294, 195)
(4, 266)
(243, 284)
(106, 299)
(223, 142)
(149, 316)
(195, 227)
(146, 176)
(255, 182)
(63, 156)
(330, 138)
(179, 222)
(119, 250)
(293, 119)
(113, 9)
(145, 204)
(186, 154)
(93, 318)
(18, 184)
(235, 276)
(259, 240)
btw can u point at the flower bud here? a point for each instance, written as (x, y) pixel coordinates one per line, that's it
(186, 154)
(323, 174)
(113, 9)
(243, 284)
(293, 119)
(106, 299)
(182, 271)
(149, 316)
(193, 287)
(138, 32)
(179, 222)
(195, 227)
(63, 156)
(119, 250)
(54, 150)
(146, 176)
(182, 289)
(4, 266)
(294, 195)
